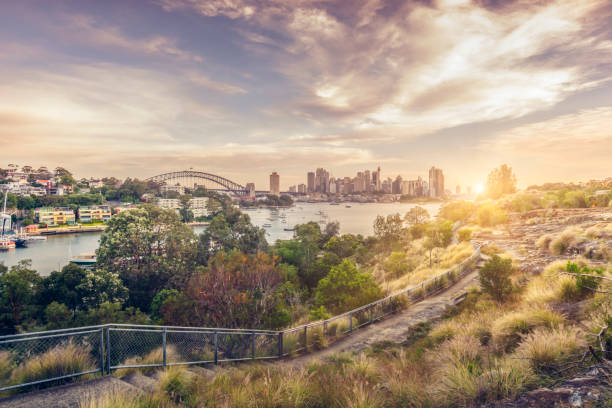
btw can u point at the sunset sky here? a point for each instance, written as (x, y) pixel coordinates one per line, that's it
(242, 88)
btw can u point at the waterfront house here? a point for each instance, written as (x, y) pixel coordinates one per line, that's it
(94, 213)
(53, 216)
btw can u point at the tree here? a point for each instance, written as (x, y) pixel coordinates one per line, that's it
(185, 210)
(398, 264)
(19, 287)
(388, 229)
(439, 235)
(57, 316)
(65, 287)
(236, 290)
(457, 210)
(100, 286)
(501, 181)
(416, 215)
(67, 180)
(150, 249)
(494, 277)
(346, 288)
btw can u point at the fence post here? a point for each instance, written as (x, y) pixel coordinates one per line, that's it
(305, 338)
(216, 347)
(108, 349)
(102, 351)
(325, 327)
(280, 344)
(351, 324)
(253, 345)
(164, 345)
(371, 314)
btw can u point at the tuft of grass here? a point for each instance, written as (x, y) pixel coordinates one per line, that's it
(6, 365)
(561, 243)
(508, 329)
(61, 360)
(545, 348)
(155, 356)
(544, 241)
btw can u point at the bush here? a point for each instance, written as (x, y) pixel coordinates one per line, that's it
(398, 264)
(61, 360)
(464, 235)
(457, 210)
(544, 241)
(494, 277)
(489, 215)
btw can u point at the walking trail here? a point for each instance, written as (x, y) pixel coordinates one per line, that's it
(394, 329)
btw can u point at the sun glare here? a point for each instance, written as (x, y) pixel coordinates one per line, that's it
(479, 188)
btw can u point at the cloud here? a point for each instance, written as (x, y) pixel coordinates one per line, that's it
(85, 28)
(206, 82)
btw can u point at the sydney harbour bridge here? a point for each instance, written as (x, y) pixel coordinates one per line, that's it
(193, 178)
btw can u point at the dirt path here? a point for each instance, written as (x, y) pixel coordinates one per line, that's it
(393, 329)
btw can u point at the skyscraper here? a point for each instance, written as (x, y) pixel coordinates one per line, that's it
(275, 184)
(436, 182)
(310, 182)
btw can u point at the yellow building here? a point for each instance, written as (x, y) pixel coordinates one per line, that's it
(55, 216)
(94, 213)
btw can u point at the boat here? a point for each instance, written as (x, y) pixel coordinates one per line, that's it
(6, 244)
(288, 229)
(36, 238)
(84, 260)
(347, 206)
(334, 203)
(21, 242)
(267, 225)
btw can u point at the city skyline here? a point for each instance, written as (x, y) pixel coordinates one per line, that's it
(242, 88)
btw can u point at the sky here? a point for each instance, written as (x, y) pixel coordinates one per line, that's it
(242, 88)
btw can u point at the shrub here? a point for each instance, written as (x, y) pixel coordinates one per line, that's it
(319, 313)
(457, 210)
(398, 264)
(61, 360)
(464, 235)
(505, 378)
(489, 215)
(494, 277)
(585, 284)
(545, 348)
(6, 365)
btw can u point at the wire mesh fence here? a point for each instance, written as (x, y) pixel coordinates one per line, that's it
(51, 357)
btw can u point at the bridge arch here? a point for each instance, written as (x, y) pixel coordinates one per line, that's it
(192, 174)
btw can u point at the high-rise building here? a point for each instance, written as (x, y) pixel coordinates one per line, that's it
(292, 189)
(275, 184)
(436, 182)
(321, 180)
(396, 186)
(301, 188)
(310, 182)
(378, 180)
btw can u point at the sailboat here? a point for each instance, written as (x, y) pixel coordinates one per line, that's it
(5, 242)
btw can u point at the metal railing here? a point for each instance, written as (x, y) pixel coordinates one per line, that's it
(50, 357)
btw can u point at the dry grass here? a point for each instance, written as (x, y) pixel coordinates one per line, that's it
(566, 239)
(63, 359)
(155, 356)
(508, 329)
(544, 348)
(6, 365)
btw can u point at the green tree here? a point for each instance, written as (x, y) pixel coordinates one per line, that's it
(19, 287)
(346, 288)
(494, 277)
(185, 208)
(100, 286)
(500, 181)
(65, 287)
(398, 264)
(150, 249)
(489, 214)
(68, 180)
(388, 230)
(416, 215)
(457, 211)
(439, 235)
(57, 316)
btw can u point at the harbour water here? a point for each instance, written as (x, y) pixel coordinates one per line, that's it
(53, 253)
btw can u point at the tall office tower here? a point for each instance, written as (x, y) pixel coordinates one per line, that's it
(301, 188)
(375, 176)
(331, 189)
(378, 180)
(321, 180)
(275, 184)
(310, 182)
(368, 179)
(396, 186)
(436, 182)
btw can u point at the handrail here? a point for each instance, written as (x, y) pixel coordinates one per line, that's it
(208, 340)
